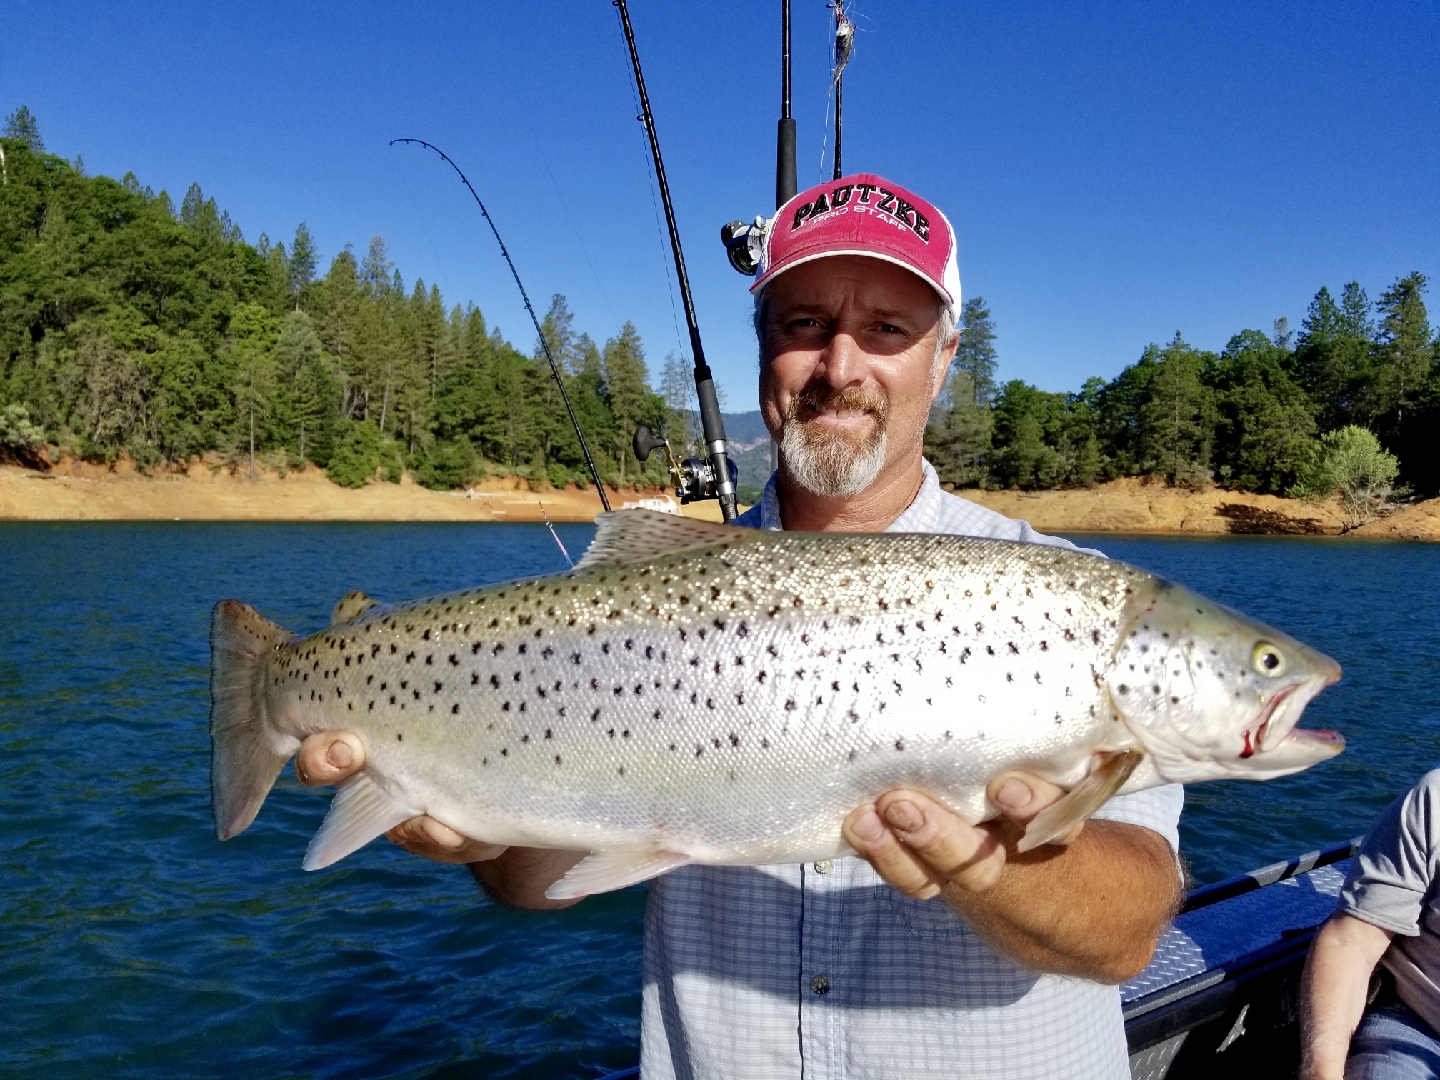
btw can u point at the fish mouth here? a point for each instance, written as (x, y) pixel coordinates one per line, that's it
(1282, 713)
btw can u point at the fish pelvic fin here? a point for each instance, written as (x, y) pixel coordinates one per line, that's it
(1082, 800)
(360, 811)
(351, 606)
(245, 756)
(604, 871)
(626, 537)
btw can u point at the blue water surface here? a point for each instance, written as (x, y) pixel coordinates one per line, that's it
(136, 945)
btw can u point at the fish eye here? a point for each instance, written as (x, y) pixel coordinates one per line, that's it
(1268, 660)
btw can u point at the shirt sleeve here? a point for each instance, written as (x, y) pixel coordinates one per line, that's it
(1157, 809)
(1392, 872)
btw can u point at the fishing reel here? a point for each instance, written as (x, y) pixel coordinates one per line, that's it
(694, 478)
(744, 244)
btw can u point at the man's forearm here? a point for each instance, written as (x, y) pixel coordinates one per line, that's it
(519, 877)
(1333, 991)
(1094, 908)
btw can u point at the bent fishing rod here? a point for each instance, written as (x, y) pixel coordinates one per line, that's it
(544, 344)
(694, 483)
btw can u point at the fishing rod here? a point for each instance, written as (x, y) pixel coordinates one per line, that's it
(544, 344)
(786, 183)
(695, 479)
(744, 241)
(844, 45)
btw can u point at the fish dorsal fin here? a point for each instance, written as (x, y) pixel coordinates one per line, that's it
(1082, 800)
(351, 606)
(625, 537)
(604, 871)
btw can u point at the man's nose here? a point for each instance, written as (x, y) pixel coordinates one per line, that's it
(843, 362)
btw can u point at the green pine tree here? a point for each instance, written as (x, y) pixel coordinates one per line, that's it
(21, 126)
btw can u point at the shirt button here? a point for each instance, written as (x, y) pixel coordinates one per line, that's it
(823, 867)
(820, 985)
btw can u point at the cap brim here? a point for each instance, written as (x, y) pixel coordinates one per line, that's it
(771, 275)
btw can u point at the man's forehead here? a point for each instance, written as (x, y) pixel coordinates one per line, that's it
(880, 287)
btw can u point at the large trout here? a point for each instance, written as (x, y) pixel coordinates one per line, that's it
(700, 693)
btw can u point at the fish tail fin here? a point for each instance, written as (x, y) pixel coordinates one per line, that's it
(245, 758)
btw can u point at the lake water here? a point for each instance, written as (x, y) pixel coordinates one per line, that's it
(138, 946)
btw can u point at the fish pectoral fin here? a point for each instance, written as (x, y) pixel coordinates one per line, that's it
(360, 811)
(623, 537)
(603, 871)
(1082, 800)
(351, 606)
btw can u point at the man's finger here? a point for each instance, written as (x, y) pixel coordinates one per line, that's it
(438, 842)
(329, 757)
(951, 849)
(1022, 796)
(874, 841)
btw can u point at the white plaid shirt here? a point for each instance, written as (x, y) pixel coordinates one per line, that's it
(822, 971)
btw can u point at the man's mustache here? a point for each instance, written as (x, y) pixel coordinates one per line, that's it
(819, 396)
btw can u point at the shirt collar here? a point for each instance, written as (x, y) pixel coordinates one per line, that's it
(920, 516)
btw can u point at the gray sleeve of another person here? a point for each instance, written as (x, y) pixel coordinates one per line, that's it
(1394, 869)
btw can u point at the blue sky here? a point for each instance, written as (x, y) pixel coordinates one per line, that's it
(1115, 171)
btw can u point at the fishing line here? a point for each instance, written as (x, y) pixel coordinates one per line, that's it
(553, 533)
(545, 345)
(842, 44)
(570, 216)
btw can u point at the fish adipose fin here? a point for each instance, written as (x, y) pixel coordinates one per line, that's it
(245, 758)
(360, 811)
(351, 606)
(624, 537)
(605, 871)
(1082, 800)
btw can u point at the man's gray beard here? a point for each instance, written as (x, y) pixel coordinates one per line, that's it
(831, 464)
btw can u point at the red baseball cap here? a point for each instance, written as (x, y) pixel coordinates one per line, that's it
(863, 214)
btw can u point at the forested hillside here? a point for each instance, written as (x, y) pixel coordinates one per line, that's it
(1357, 388)
(128, 327)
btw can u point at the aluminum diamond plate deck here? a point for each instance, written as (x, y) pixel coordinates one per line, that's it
(1205, 941)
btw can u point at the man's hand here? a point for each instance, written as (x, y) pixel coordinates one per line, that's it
(919, 846)
(333, 756)
(1092, 904)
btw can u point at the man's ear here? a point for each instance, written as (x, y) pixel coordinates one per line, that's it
(942, 369)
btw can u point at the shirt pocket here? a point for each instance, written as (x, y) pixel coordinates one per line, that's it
(925, 918)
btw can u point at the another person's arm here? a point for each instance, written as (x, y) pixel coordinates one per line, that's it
(1332, 993)
(1093, 907)
(1383, 895)
(516, 877)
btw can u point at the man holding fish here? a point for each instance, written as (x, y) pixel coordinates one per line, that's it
(945, 948)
